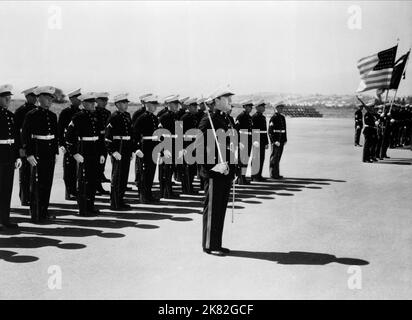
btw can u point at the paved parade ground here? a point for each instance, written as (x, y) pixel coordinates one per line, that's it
(333, 228)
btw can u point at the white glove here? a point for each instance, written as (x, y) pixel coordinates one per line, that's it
(182, 153)
(101, 159)
(117, 156)
(63, 150)
(221, 168)
(357, 127)
(17, 165)
(32, 160)
(267, 146)
(139, 153)
(392, 120)
(376, 123)
(167, 154)
(241, 146)
(78, 157)
(256, 144)
(277, 143)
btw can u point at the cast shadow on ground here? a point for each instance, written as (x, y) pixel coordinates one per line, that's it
(297, 257)
(397, 161)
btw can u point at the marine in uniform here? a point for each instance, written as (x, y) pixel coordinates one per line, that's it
(278, 139)
(69, 164)
(24, 171)
(369, 133)
(9, 155)
(167, 121)
(86, 144)
(103, 115)
(39, 136)
(244, 126)
(259, 150)
(183, 107)
(120, 145)
(358, 125)
(135, 116)
(218, 176)
(189, 121)
(143, 133)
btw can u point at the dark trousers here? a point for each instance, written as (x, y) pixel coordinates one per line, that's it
(275, 157)
(368, 147)
(6, 188)
(69, 174)
(378, 145)
(187, 175)
(41, 181)
(165, 180)
(24, 181)
(102, 167)
(258, 153)
(386, 140)
(217, 192)
(357, 135)
(87, 174)
(147, 176)
(120, 176)
(243, 162)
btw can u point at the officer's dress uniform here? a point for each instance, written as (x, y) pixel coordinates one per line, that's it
(188, 171)
(369, 133)
(143, 130)
(358, 126)
(24, 171)
(39, 135)
(119, 139)
(244, 126)
(277, 133)
(167, 121)
(161, 112)
(217, 185)
(9, 146)
(259, 123)
(103, 115)
(84, 137)
(69, 164)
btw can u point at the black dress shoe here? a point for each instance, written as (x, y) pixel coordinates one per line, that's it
(225, 250)
(102, 192)
(25, 203)
(277, 177)
(10, 225)
(71, 197)
(104, 179)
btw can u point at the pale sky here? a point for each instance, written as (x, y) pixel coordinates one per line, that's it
(192, 48)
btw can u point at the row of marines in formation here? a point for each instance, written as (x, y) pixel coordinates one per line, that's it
(31, 137)
(384, 126)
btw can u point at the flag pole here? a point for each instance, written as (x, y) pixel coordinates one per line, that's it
(403, 74)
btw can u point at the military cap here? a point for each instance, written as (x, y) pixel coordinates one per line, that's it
(209, 100)
(102, 95)
(89, 96)
(143, 97)
(74, 93)
(172, 98)
(49, 90)
(259, 103)
(121, 97)
(190, 101)
(5, 90)
(201, 100)
(151, 99)
(183, 99)
(29, 91)
(247, 102)
(221, 93)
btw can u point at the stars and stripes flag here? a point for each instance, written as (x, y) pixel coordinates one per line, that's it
(376, 70)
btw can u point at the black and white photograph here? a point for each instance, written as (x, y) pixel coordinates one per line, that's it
(205, 151)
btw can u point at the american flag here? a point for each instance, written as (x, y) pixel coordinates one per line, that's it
(376, 70)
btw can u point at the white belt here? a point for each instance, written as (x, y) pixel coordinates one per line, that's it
(169, 135)
(39, 137)
(366, 125)
(88, 138)
(190, 136)
(121, 137)
(279, 131)
(7, 141)
(153, 138)
(245, 132)
(261, 131)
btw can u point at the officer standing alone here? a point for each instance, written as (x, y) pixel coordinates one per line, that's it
(278, 139)
(259, 150)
